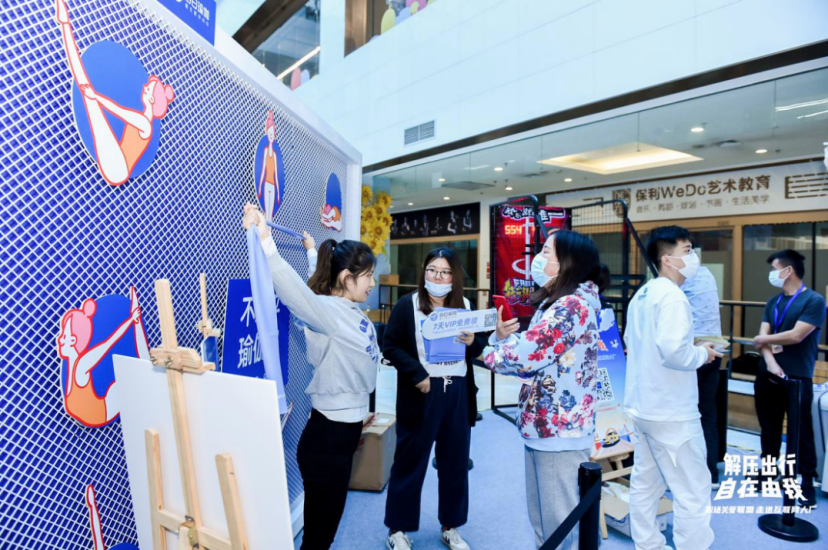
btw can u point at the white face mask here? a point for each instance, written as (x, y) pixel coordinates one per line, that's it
(438, 290)
(538, 265)
(691, 264)
(775, 279)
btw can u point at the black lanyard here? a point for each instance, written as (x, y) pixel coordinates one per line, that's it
(777, 319)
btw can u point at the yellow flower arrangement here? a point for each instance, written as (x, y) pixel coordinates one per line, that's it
(376, 221)
(367, 194)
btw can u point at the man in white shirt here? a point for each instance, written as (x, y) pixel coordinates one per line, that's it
(662, 399)
(703, 294)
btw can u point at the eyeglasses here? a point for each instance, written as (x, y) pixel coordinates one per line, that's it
(438, 274)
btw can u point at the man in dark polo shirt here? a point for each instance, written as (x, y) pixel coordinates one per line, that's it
(788, 341)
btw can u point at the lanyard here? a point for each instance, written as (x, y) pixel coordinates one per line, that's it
(777, 319)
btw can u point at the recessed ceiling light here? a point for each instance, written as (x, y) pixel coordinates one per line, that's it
(509, 188)
(410, 204)
(441, 180)
(761, 151)
(498, 168)
(567, 180)
(392, 206)
(697, 129)
(446, 198)
(621, 158)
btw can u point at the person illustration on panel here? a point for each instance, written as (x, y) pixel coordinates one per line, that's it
(415, 229)
(452, 224)
(406, 227)
(88, 405)
(116, 157)
(467, 221)
(437, 225)
(425, 225)
(268, 182)
(394, 227)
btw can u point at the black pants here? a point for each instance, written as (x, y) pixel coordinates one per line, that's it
(771, 406)
(446, 423)
(708, 378)
(325, 454)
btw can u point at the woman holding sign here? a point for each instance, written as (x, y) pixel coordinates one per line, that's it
(342, 347)
(436, 403)
(558, 359)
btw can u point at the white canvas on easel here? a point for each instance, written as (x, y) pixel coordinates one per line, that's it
(227, 414)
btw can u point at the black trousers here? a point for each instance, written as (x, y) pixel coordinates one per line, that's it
(708, 378)
(771, 406)
(446, 423)
(325, 454)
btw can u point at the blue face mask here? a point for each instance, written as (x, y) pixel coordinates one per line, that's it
(538, 274)
(438, 290)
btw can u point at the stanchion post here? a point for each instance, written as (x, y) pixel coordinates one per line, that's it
(787, 526)
(589, 473)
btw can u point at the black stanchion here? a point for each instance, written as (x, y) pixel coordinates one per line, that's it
(587, 512)
(787, 526)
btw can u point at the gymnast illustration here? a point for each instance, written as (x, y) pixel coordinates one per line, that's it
(116, 157)
(269, 178)
(81, 399)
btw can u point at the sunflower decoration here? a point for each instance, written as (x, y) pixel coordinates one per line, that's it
(375, 227)
(367, 194)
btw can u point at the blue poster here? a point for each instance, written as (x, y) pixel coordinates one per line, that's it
(613, 429)
(200, 15)
(242, 351)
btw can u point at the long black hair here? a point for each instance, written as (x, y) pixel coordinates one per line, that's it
(579, 262)
(454, 299)
(336, 257)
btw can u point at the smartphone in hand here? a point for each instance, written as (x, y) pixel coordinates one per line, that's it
(500, 301)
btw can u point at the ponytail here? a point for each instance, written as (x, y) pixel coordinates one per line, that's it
(334, 258)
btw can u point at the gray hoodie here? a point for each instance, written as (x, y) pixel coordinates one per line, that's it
(341, 341)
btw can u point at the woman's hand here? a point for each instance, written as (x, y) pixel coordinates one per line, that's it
(253, 216)
(424, 386)
(308, 242)
(88, 92)
(466, 337)
(505, 328)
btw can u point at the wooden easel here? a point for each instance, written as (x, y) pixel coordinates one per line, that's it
(191, 532)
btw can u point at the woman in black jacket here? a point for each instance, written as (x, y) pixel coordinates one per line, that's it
(436, 403)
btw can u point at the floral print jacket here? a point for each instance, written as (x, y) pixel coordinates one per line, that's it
(558, 358)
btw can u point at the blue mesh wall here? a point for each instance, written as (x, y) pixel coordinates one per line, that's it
(67, 235)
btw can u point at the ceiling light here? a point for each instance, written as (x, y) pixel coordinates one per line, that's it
(761, 151)
(441, 180)
(621, 158)
(410, 204)
(477, 167)
(296, 65)
(801, 105)
(498, 168)
(446, 198)
(567, 180)
(812, 114)
(509, 188)
(697, 129)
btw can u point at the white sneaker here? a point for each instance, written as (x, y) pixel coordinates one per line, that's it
(452, 539)
(398, 541)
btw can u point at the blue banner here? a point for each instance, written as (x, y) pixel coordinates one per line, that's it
(242, 350)
(200, 15)
(613, 429)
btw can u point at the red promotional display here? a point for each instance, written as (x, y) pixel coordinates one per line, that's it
(514, 247)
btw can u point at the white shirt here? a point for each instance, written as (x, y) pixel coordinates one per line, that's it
(453, 368)
(703, 295)
(661, 358)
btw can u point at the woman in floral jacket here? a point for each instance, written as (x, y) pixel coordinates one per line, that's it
(557, 358)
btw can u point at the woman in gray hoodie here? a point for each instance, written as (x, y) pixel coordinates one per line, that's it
(342, 348)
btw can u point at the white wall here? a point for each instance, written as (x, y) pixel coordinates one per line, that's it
(478, 65)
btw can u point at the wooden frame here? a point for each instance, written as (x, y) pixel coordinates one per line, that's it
(191, 532)
(426, 240)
